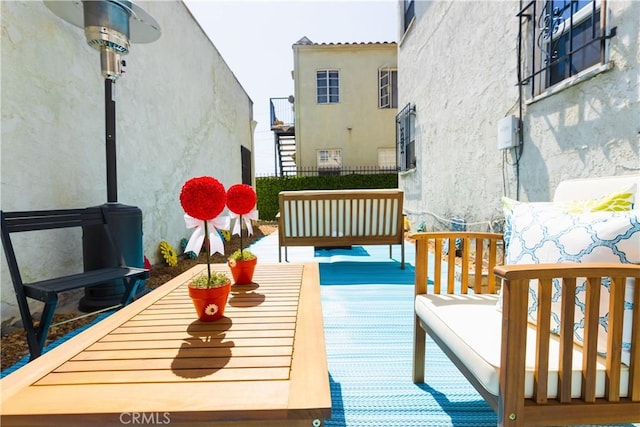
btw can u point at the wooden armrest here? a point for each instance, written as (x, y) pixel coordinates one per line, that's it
(515, 319)
(566, 270)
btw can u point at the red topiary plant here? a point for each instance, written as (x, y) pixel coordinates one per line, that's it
(241, 201)
(203, 199)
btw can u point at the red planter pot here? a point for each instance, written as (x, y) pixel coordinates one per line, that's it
(210, 302)
(242, 271)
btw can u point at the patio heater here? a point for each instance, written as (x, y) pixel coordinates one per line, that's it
(109, 27)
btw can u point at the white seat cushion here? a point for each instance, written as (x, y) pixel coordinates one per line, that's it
(471, 327)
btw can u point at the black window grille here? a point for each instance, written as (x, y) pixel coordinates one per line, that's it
(558, 39)
(406, 138)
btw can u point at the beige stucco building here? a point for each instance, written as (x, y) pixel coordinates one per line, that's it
(345, 104)
(460, 65)
(180, 113)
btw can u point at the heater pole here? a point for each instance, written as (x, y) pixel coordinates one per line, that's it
(107, 25)
(110, 121)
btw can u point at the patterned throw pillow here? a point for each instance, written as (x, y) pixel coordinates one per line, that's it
(548, 234)
(622, 200)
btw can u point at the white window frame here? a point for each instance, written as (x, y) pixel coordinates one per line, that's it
(329, 158)
(387, 87)
(331, 98)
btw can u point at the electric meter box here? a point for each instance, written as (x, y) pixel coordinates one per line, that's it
(508, 133)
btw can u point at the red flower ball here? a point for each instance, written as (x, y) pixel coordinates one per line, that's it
(203, 197)
(241, 199)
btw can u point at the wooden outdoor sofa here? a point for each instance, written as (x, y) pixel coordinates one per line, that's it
(505, 346)
(335, 218)
(47, 291)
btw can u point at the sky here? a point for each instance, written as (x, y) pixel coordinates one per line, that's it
(255, 39)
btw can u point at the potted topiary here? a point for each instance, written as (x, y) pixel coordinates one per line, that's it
(241, 201)
(203, 199)
(242, 264)
(209, 294)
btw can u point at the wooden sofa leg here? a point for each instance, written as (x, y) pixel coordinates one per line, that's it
(419, 344)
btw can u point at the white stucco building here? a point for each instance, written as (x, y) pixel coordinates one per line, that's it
(458, 65)
(180, 113)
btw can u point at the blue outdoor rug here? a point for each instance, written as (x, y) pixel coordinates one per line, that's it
(369, 338)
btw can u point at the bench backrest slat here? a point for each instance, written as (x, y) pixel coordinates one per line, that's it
(47, 220)
(23, 221)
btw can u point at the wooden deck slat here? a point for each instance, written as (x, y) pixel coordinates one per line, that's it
(249, 342)
(190, 362)
(165, 376)
(242, 313)
(188, 320)
(271, 305)
(150, 328)
(155, 353)
(202, 335)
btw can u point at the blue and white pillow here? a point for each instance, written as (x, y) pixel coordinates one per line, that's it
(621, 200)
(548, 234)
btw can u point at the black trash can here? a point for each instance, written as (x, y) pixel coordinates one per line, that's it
(126, 227)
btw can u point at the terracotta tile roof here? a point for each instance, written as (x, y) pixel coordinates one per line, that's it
(307, 42)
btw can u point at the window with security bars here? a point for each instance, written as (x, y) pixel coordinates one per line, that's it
(406, 138)
(559, 39)
(328, 86)
(387, 88)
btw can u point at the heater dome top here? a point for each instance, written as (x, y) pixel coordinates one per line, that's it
(142, 27)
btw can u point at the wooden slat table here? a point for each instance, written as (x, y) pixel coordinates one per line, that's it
(153, 362)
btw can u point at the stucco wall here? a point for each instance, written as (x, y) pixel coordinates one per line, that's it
(355, 124)
(462, 82)
(180, 112)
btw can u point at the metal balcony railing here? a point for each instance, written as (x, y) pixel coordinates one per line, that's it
(282, 112)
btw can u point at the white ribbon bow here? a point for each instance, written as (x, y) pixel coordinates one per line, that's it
(247, 220)
(197, 238)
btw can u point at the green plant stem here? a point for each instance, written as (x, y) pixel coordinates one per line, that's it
(241, 227)
(207, 244)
